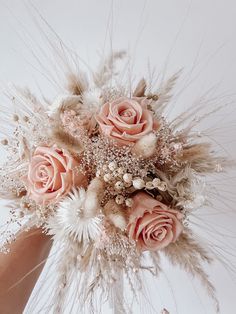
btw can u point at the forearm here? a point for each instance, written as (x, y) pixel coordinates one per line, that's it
(20, 269)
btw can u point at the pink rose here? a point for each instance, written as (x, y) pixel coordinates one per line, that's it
(126, 120)
(152, 224)
(51, 175)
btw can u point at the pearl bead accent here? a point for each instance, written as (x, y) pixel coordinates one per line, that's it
(120, 199)
(116, 173)
(119, 185)
(104, 167)
(129, 202)
(156, 182)
(98, 173)
(107, 177)
(112, 165)
(127, 185)
(143, 172)
(127, 177)
(162, 186)
(138, 183)
(149, 185)
(121, 171)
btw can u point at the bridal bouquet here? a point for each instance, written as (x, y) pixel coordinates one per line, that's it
(104, 172)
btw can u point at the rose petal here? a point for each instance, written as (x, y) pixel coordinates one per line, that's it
(129, 118)
(152, 224)
(52, 173)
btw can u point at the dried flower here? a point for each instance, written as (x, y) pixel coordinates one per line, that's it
(70, 219)
(126, 120)
(152, 224)
(52, 173)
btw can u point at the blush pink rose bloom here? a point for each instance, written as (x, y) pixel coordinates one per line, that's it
(51, 175)
(126, 120)
(152, 224)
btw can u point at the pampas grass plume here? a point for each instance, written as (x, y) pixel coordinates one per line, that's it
(118, 221)
(116, 214)
(146, 146)
(93, 197)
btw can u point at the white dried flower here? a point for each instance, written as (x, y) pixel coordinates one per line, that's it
(138, 183)
(70, 219)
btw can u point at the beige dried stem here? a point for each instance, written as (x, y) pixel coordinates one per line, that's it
(140, 89)
(106, 69)
(202, 159)
(77, 84)
(116, 214)
(188, 254)
(164, 93)
(65, 140)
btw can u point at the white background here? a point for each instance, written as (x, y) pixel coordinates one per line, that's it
(198, 35)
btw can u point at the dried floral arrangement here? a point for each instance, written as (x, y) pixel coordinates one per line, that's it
(104, 172)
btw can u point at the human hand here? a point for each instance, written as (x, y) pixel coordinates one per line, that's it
(20, 269)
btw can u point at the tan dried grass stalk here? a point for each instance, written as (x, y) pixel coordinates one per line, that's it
(188, 254)
(76, 84)
(201, 158)
(65, 140)
(140, 89)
